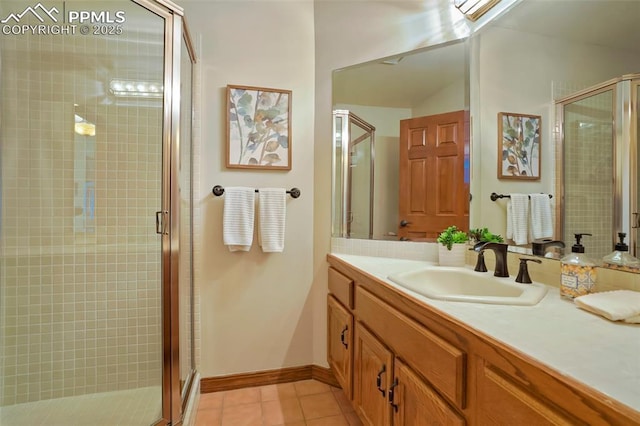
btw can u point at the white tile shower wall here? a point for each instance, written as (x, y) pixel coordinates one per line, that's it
(591, 153)
(81, 310)
(379, 248)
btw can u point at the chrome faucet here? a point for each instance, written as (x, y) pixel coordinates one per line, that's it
(500, 251)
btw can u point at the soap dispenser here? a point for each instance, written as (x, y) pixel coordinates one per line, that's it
(620, 258)
(578, 272)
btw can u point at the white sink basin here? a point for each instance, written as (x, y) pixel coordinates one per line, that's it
(466, 285)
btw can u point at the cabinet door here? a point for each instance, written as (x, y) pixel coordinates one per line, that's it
(340, 343)
(414, 402)
(373, 364)
(435, 359)
(502, 401)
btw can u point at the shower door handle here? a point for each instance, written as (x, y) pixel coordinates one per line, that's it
(161, 222)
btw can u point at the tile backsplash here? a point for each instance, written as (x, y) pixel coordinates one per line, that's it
(394, 249)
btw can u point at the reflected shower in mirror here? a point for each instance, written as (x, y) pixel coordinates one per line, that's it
(383, 94)
(354, 156)
(598, 141)
(572, 46)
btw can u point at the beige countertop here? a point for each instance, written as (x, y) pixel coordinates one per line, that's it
(602, 354)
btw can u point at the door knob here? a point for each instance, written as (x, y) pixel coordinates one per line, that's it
(404, 223)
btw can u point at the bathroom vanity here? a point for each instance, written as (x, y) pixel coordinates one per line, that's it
(404, 359)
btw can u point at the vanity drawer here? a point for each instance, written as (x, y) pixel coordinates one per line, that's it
(438, 361)
(341, 287)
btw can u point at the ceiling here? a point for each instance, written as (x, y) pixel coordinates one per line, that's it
(403, 85)
(418, 75)
(607, 23)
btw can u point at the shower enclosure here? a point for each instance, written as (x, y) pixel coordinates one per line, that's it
(96, 316)
(354, 157)
(598, 173)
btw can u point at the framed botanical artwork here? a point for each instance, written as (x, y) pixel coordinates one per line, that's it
(518, 146)
(258, 128)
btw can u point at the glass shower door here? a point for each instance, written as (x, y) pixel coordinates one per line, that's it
(635, 176)
(81, 177)
(185, 184)
(589, 192)
(354, 141)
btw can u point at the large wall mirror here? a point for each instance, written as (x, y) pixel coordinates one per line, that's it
(522, 62)
(397, 120)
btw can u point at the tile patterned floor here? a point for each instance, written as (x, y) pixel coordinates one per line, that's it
(303, 403)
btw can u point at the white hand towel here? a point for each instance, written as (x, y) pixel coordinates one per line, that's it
(238, 218)
(616, 305)
(271, 219)
(541, 219)
(517, 218)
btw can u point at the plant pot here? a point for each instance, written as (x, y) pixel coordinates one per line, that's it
(454, 257)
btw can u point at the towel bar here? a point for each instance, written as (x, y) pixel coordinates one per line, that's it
(495, 196)
(219, 190)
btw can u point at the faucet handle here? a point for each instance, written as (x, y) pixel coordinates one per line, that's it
(523, 274)
(480, 265)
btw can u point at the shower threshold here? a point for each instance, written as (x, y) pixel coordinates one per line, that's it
(132, 407)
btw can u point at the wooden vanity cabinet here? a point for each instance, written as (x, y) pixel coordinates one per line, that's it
(415, 403)
(414, 365)
(386, 342)
(373, 368)
(340, 329)
(340, 343)
(503, 401)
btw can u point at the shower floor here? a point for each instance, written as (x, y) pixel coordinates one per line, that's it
(135, 407)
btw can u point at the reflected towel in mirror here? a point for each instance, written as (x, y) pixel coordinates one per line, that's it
(541, 218)
(518, 218)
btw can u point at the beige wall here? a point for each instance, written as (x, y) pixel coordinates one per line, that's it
(256, 308)
(449, 98)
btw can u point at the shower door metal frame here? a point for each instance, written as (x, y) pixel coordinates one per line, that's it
(175, 30)
(346, 216)
(634, 175)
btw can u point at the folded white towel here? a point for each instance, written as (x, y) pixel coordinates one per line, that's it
(517, 218)
(541, 219)
(616, 305)
(238, 218)
(271, 219)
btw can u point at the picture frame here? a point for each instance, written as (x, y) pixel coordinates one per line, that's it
(258, 128)
(519, 144)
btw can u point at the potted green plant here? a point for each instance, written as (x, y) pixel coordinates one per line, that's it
(483, 235)
(452, 248)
